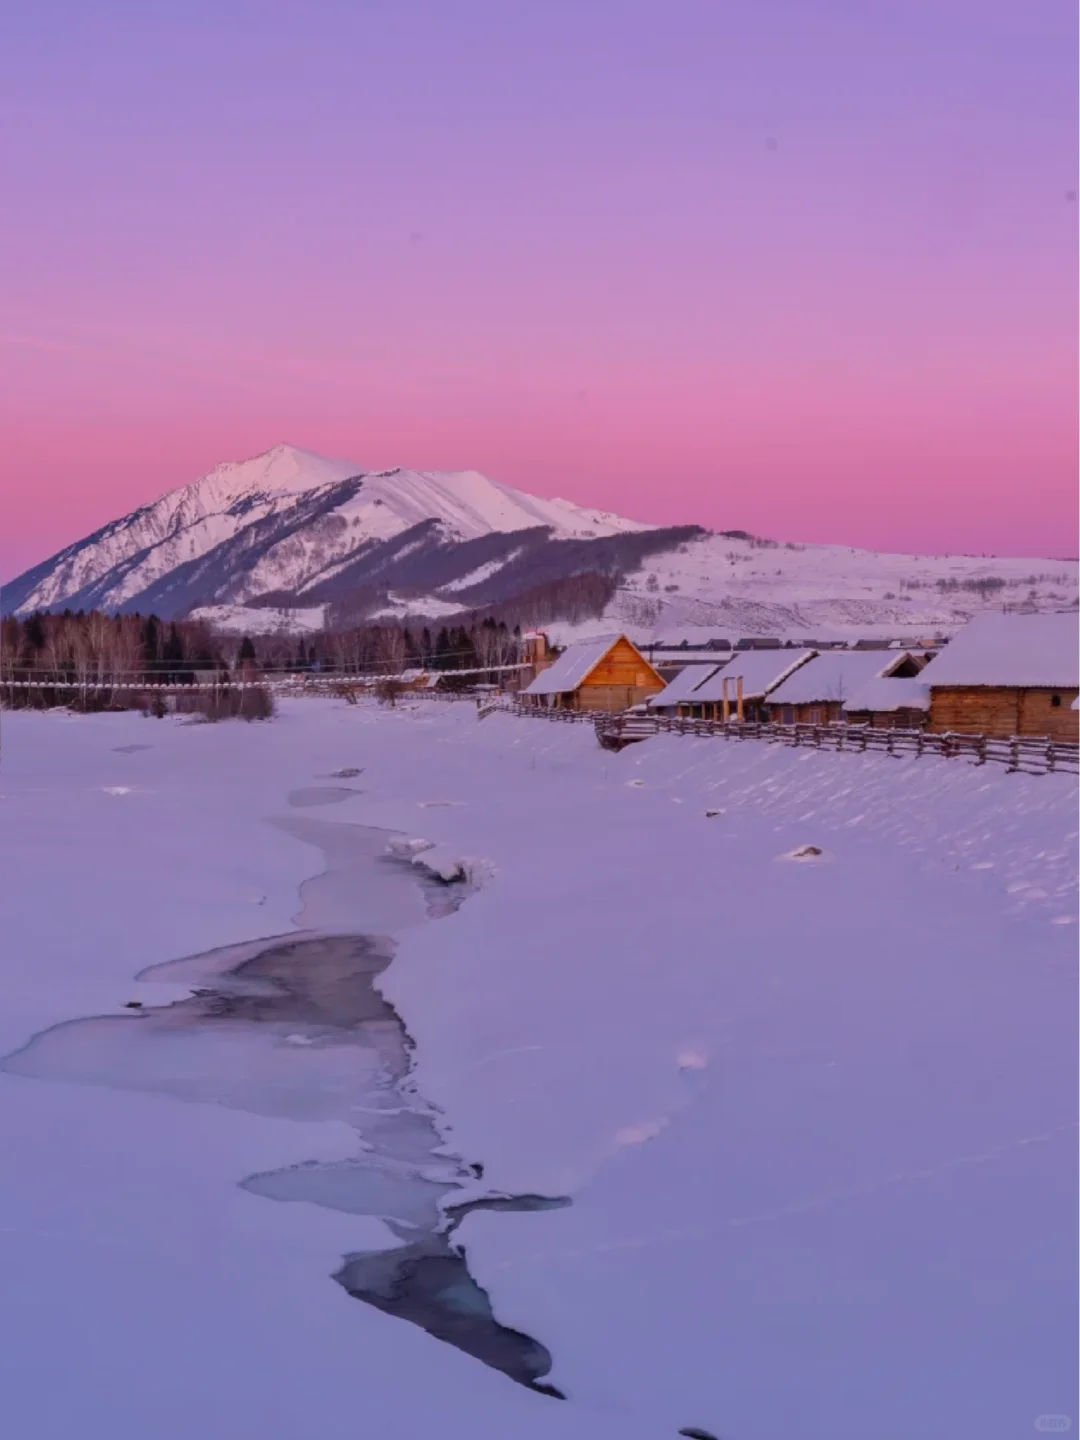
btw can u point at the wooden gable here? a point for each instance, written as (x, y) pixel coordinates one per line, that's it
(623, 664)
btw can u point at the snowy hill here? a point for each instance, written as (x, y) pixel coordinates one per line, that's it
(304, 536)
(733, 584)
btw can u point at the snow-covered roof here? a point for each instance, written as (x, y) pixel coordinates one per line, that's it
(761, 671)
(1011, 650)
(686, 681)
(572, 666)
(832, 676)
(886, 692)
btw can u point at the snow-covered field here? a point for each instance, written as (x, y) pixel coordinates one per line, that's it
(817, 1116)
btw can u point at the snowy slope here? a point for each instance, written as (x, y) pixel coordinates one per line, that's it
(731, 584)
(183, 525)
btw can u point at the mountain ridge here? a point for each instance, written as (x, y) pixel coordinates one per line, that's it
(309, 532)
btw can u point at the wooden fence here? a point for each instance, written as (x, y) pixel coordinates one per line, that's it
(1031, 754)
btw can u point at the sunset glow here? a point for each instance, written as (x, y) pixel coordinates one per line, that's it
(808, 270)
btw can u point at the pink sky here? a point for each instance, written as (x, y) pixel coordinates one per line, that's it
(804, 270)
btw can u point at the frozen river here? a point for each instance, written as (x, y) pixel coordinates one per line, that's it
(296, 1028)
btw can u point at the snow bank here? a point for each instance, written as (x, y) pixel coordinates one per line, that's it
(869, 1163)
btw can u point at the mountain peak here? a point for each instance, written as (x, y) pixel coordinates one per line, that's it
(283, 468)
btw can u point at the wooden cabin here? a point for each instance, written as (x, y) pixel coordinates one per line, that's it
(680, 688)
(890, 702)
(818, 692)
(740, 689)
(608, 673)
(1008, 675)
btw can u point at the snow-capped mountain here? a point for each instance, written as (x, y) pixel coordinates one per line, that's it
(288, 537)
(298, 515)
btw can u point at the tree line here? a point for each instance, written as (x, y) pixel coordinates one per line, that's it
(90, 648)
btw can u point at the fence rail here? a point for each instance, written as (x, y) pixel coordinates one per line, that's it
(1030, 754)
(295, 681)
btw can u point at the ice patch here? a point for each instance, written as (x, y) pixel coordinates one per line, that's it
(313, 795)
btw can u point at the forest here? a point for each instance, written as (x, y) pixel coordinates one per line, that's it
(43, 655)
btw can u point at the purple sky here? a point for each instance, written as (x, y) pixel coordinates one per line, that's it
(806, 267)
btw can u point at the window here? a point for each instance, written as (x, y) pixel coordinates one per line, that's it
(1055, 701)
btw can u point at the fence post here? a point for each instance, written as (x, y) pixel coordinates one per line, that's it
(1014, 755)
(1051, 757)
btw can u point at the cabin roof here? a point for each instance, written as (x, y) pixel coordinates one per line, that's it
(683, 685)
(1011, 651)
(887, 692)
(760, 670)
(833, 676)
(572, 667)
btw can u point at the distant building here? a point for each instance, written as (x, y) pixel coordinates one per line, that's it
(535, 653)
(1008, 674)
(759, 642)
(608, 673)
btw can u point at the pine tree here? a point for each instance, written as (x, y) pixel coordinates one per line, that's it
(34, 632)
(150, 640)
(172, 653)
(247, 651)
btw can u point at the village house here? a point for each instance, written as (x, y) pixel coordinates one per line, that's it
(891, 702)
(1007, 674)
(608, 673)
(818, 692)
(739, 689)
(680, 688)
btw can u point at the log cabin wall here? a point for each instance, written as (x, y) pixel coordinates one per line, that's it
(1003, 711)
(1040, 716)
(612, 697)
(904, 719)
(820, 712)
